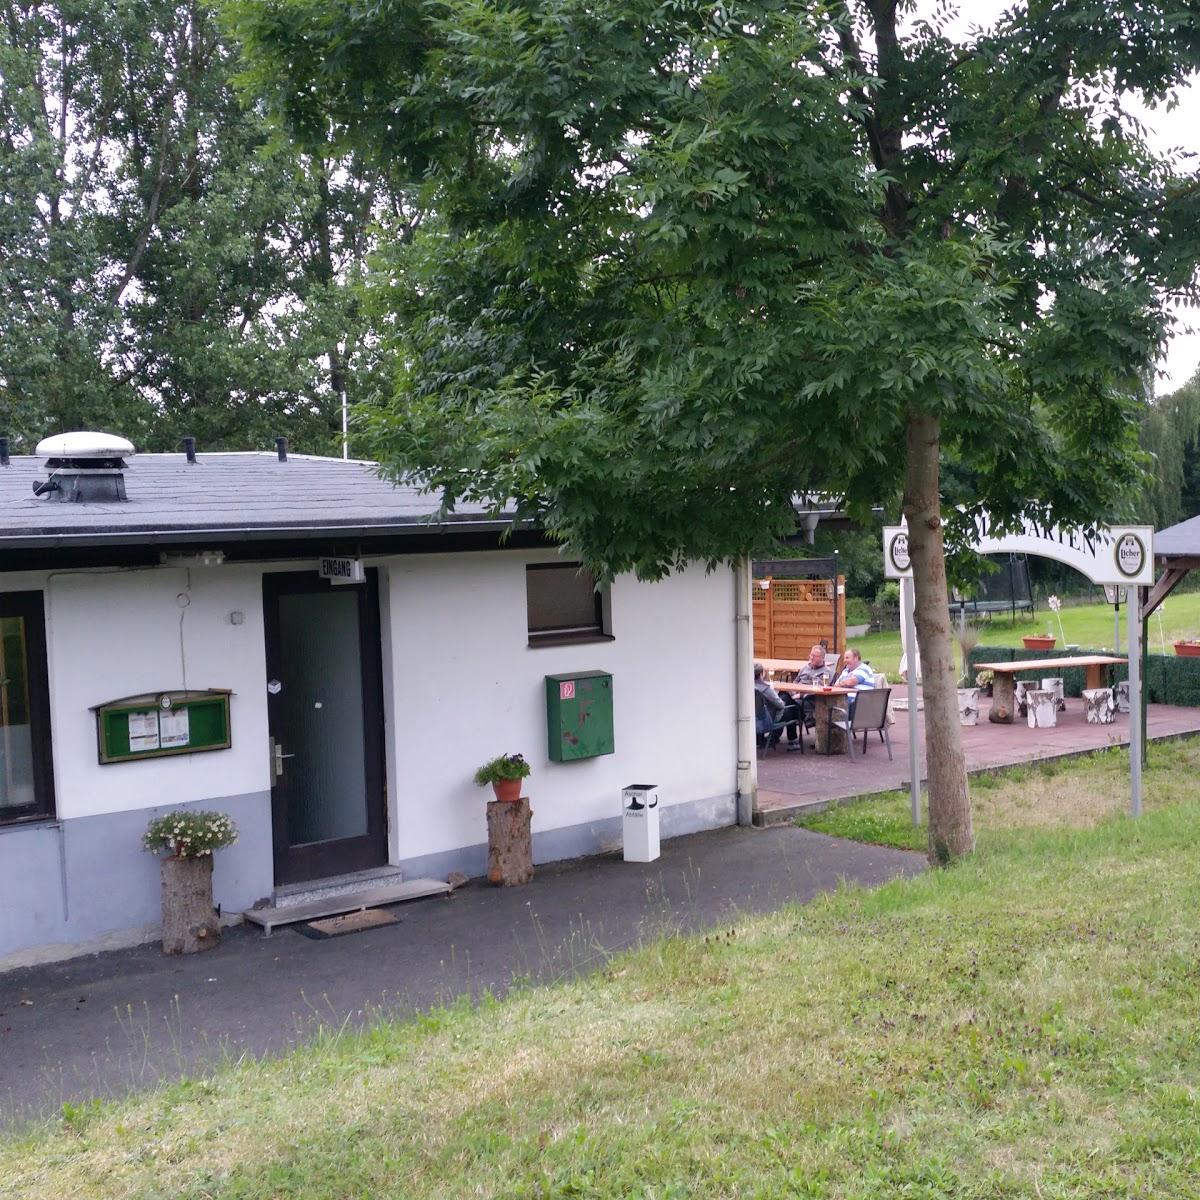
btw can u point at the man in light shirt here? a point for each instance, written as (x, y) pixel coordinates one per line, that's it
(856, 675)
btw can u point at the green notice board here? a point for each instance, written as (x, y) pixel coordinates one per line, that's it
(579, 715)
(160, 724)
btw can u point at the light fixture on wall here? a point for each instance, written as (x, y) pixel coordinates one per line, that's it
(201, 558)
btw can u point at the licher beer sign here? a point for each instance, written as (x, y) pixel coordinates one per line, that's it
(1117, 554)
(1121, 554)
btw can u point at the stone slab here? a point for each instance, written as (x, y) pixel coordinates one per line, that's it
(275, 915)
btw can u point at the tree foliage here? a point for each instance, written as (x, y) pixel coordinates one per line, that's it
(169, 266)
(1170, 435)
(692, 259)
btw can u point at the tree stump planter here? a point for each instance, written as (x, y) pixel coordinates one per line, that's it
(510, 842)
(190, 922)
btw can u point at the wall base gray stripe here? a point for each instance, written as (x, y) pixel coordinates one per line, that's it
(577, 841)
(85, 884)
(84, 881)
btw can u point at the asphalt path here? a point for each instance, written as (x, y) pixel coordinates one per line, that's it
(106, 1024)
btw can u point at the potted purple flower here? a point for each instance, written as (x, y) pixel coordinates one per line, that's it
(505, 773)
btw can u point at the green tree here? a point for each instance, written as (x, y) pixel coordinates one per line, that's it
(1170, 435)
(691, 259)
(168, 266)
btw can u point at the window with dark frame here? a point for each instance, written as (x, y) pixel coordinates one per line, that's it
(563, 603)
(26, 782)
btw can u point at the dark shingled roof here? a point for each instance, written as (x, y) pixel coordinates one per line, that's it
(249, 495)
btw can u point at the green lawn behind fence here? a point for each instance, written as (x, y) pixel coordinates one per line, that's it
(1089, 625)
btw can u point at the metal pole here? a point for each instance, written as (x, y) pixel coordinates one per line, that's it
(1135, 701)
(1117, 628)
(837, 562)
(345, 426)
(1144, 656)
(743, 685)
(907, 604)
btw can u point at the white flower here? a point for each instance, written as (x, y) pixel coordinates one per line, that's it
(1055, 604)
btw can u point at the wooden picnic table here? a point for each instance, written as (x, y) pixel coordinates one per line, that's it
(830, 739)
(1004, 681)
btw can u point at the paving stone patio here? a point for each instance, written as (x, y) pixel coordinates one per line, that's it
(790, 783)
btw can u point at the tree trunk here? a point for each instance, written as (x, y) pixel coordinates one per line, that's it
(950, 832)
(510, 842)
(189, 921)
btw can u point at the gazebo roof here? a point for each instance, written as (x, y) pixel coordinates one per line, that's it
(1182, 540)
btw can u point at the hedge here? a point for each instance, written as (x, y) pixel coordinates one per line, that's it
(1169, 679)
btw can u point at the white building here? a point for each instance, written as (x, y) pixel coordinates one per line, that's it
(357, 712)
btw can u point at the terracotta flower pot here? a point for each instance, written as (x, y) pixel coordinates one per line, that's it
(1187, 649)
(1038, 642)
(508, 789)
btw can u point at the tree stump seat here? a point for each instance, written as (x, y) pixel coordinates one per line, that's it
(510, 842)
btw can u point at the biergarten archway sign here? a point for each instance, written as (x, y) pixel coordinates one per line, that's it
(1112, 556)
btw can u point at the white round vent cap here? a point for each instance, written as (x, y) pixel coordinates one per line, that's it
(84, 445)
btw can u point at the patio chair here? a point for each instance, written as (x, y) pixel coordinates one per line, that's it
(776, 725)
(868, 714)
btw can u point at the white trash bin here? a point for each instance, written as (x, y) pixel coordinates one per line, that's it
(639, 821)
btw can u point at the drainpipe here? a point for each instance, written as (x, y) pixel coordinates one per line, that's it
(743, 684)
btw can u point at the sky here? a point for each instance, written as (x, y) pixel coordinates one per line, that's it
(1166, 130)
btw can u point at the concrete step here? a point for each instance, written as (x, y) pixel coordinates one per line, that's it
(332, 906)
(338, 885)
(785, 815)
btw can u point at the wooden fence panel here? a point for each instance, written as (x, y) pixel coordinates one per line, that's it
(792, 615)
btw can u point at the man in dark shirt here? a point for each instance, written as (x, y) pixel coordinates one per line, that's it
(768, 708)
(817, 673)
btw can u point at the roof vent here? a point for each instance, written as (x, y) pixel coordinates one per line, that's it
(84, 467)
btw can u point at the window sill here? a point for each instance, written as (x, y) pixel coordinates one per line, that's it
(537, 641)
(39, 822)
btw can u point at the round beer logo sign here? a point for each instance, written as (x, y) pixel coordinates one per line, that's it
(1130, 555)
(898, 552)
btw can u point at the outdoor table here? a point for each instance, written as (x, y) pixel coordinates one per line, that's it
(1004, 682)
(830, 739)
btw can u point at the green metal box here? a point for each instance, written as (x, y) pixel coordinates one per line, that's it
(579, 715)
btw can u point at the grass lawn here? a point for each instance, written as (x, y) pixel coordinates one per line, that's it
(1067, 794)
(1025, 1024)
(1088, 625)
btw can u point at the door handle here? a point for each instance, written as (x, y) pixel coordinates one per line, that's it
(277, 757)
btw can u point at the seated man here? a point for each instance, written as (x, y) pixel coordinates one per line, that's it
(817, 673)
(768, 708)
(856, 675)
